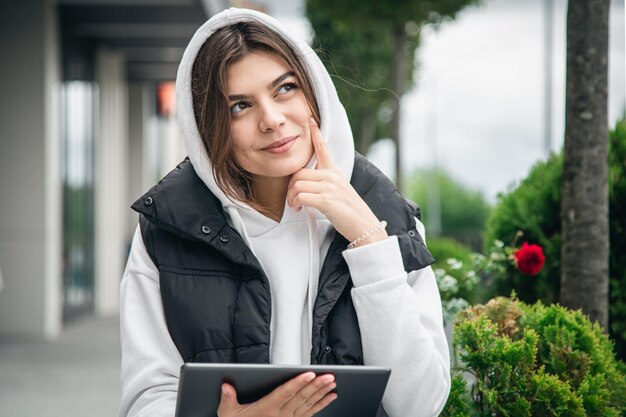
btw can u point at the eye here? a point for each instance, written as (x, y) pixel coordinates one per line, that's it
(287, 87)
(238, 107)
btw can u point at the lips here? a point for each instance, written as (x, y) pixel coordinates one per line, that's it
(279, 143)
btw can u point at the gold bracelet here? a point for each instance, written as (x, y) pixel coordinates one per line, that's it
(381, 226)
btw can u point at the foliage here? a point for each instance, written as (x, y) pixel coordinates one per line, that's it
(444, 248)
(534, 208)
(534, 360)
(454, 271)
(458, 400)
(464, 212)
(503, 262)
(451, 287)
(617, 236)
(358, 37)
(359, 62)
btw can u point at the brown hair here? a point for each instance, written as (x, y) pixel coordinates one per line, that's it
(225, 47)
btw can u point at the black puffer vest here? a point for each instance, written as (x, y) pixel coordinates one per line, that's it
(215, 294)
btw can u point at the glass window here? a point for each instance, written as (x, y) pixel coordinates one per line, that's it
(78, 126)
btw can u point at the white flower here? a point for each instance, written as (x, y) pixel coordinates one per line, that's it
(453, 306)
(448, 284)
(471, 278)
(454, 264)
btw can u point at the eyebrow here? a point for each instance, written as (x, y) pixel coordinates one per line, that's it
(273, 84)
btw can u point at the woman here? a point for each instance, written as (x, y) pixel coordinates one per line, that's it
(274, 243)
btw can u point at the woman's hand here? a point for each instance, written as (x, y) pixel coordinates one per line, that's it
(325, 189)
(302, 396)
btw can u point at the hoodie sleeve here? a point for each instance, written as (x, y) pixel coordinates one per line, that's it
(401, 324)
(150, 360)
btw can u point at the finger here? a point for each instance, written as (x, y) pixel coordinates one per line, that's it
(321, 404)
(303, 186)
(324, 159)
(228, 400)
(307, 200)
(315, 397)
(286, 391)
(305, 174)
(308, 396)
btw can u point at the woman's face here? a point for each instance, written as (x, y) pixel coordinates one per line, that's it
(269, 116)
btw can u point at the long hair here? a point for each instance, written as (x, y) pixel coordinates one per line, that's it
(225, 47)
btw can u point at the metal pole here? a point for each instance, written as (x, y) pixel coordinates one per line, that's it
(433, 192)
(547, 76)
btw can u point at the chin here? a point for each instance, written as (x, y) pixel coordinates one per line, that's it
(285, 170)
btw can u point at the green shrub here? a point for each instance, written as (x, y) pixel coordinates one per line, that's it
(533, 207)
(617, 237)
(458, 400)
(534, 360)
(455, 274)
(457, 260)
(463, 211)
(443, 248)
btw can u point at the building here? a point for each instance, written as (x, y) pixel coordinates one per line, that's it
(84, 130)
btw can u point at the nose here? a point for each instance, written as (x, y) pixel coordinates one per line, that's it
(271, 117)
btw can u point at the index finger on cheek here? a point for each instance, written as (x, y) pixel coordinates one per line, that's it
(321, 151)
(316, 134)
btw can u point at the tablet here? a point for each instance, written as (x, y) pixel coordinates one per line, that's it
(359, 389)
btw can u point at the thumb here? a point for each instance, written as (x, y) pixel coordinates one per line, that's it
(324, 159)
(228, 400)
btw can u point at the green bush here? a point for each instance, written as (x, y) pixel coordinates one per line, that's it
(455, 273)
(533, 360)
(533, 207)
(617, 237)
(463, 211)
(457, 260)
(443, 248)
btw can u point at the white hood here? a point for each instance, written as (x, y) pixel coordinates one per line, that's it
(334, 122)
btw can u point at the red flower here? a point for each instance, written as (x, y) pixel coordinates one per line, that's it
(529, 259)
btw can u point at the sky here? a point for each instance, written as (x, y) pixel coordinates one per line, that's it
(477, 106)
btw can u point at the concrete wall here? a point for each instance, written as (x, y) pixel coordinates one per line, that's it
(173, 147)
(155, 146)
(111, 180)
(30, 186)
(137, 116)
(30, 171)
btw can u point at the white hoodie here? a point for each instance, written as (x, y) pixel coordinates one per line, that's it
(399, 313)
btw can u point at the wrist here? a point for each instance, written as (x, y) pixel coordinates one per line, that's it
(376, 237)
(374, 233)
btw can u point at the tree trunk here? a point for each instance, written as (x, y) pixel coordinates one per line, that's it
(398, 81)
(584, 203)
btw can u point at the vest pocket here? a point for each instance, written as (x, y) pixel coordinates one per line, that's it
(199, 308)
(214, 316)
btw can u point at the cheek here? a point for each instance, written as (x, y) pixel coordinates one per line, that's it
(304, 111)
(241, 137)
(240, 146)
(243, 156)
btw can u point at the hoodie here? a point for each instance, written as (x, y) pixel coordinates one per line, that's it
(399, 313)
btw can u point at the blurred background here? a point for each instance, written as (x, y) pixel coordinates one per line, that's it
(87, 124)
